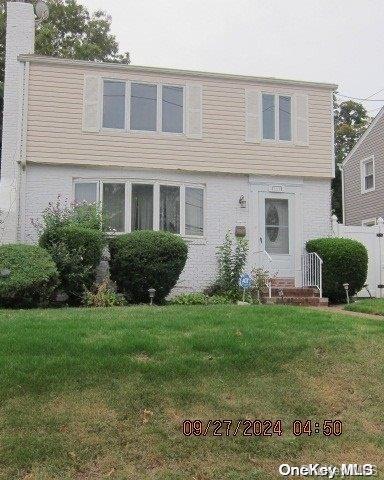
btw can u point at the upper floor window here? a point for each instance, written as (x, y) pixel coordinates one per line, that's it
(367, 175)
(277, 117)
(172, 109)
(114, 104)
(152, 107)
(143, 107)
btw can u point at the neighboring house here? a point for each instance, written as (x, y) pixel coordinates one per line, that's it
(193, 153)
(363, 177)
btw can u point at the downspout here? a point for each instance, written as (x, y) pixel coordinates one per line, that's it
(342, 194)
(23, 156)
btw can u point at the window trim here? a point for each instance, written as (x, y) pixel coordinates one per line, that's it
(277, 95)
(363, 176)
(159, 108)
(156, 201)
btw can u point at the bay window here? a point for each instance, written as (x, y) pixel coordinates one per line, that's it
(129, 205)
(142, 207)
(170, 208)
(114, 206)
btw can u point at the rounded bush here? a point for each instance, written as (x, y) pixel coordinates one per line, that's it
(28, 276)
(146, 259)
(344, 261)
(77, 252)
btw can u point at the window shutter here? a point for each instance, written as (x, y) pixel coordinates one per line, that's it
(302, 129)
(91, 103)
(194, 117)
(252, 115)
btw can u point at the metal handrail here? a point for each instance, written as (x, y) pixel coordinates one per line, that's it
(312, 271)
(269, 259)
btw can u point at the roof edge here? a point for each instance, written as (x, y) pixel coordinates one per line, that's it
(363, 136)
(172, 71)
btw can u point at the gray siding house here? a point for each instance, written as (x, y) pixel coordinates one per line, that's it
(363, 177)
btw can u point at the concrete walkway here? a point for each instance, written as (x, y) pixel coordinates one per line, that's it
(339, 309)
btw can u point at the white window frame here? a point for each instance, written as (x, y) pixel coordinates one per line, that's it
(156, 200)
(369, 222)
(277, 125)
(363, 163)
(159, 105)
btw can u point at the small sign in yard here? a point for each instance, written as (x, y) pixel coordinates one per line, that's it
(245, 282)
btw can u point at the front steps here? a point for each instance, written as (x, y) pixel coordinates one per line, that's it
(284, 292)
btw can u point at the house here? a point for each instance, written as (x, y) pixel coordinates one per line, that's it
(193, 153)
(363, 177)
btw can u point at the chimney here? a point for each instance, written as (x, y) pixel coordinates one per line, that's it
(20, 39)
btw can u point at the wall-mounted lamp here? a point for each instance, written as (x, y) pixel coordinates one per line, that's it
(242, 201)
(152, 293)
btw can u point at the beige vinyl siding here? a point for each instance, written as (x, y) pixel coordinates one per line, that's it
(55, 133)
(358, 206)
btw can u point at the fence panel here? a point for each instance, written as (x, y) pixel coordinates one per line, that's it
(374, 242)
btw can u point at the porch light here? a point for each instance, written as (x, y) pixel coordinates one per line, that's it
(152, 293)
(346, 287)
(242, 201)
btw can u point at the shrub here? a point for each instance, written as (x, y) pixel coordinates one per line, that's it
(77, 252)
(199, 299)
(231, 262)
(32, 276)
(344, 261)
(147, 259)
(103, 296)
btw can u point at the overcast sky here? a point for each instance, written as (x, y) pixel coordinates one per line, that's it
(340, 41)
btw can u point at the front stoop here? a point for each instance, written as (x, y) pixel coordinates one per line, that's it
(291, 295)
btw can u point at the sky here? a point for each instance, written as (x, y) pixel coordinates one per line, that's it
(339, 41)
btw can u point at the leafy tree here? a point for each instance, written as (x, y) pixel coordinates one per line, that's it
(69, 32)
(351, 120)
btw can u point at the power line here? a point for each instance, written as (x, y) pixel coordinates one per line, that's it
(373, 94)
(361, 99)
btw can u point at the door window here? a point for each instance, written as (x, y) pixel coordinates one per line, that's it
(276, 226)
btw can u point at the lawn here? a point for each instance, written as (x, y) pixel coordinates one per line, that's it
(102, 393)
(372, 305)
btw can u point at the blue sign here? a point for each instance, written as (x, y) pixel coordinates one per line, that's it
(245, 281)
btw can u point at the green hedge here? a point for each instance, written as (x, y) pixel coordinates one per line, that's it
(32, 279)
(146, 259)
(76, 251)
(344, 261)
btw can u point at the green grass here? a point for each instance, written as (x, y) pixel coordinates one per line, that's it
(102, 393)
(372, 305)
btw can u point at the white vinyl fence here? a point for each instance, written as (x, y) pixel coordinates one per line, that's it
(372, 238)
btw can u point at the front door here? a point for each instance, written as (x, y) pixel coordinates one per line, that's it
(276, 231)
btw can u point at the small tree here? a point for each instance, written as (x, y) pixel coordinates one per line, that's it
(231, 259)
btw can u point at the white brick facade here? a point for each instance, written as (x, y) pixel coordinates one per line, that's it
(223, 211)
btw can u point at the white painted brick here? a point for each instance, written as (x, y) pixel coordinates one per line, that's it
(223, 211)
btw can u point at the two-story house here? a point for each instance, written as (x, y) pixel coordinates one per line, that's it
(193, 153)
(363, 177)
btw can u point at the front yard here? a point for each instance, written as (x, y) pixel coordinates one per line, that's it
(371, 305)
(102, 393)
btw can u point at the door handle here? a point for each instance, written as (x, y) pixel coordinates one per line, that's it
(261, 239)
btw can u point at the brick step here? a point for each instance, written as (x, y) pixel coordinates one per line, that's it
(295, 292)
(283, 282)
(300, 301)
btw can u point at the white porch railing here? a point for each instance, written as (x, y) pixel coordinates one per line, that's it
(312, 271)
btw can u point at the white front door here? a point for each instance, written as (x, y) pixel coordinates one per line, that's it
(276, 232)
